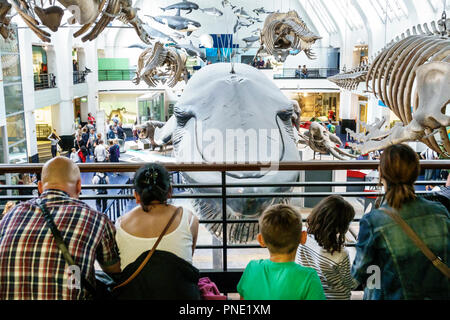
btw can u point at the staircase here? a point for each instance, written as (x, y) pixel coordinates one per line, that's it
(44, 151)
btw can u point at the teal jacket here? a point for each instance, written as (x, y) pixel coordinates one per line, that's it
(405, 272)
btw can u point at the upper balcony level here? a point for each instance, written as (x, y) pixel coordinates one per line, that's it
(44, 81)
(288, 78)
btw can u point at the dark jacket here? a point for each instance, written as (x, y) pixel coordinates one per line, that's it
(120, 133)
(114, 153)
(165, 277)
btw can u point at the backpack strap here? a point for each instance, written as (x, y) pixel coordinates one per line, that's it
(437, 261)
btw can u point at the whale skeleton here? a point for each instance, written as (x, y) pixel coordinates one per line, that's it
(97, 14)
(412, 70)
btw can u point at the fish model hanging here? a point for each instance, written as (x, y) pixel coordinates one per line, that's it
(241, 23)
(261, 10)
(212, 12)
(158, 35)
(249, 41)
(191, 50)
(185, 5)
(178, 23)
(241, 13)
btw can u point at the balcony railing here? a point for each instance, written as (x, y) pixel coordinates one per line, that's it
(79, 77)
(116, 75)
(44, 81)
(225, 277)
(313, 73)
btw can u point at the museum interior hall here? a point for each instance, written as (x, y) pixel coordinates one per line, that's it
(218, 133)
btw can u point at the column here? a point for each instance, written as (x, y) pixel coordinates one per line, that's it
(26, 66)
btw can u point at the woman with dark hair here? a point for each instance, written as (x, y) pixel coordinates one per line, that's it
(389, 263)
(324, 249)
(138, 230)
(55, 139)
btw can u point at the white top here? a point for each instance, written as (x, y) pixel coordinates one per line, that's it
(429, 154)
(100, 153)
(74, 157)
(54, 141)
(332, 269)
(178, 242)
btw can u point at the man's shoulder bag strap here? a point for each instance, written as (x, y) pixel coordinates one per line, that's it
(61, 244)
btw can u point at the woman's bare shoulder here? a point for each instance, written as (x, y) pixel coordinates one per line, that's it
(130, 215)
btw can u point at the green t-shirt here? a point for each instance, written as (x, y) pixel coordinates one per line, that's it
(267, 280)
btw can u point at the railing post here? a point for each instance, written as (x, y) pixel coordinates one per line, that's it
(224, 221)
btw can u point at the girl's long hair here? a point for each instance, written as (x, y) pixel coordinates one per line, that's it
(329, 221)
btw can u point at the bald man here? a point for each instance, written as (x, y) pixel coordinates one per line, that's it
(31, 265)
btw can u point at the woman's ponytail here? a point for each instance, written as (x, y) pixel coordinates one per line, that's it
(399, 168)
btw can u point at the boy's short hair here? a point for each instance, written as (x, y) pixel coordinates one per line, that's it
(281, 228)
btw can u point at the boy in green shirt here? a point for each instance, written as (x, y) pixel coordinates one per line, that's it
(280, 278)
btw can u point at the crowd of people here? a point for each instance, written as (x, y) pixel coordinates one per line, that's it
(310, 263)
(90, 145)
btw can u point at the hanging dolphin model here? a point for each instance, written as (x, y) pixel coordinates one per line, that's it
(222, 117)
(154, 33)
(241, 13)
(191, 50)
(212, 12)
(241, 23)
(185, 5)
(261, 10)
(251, 39)
(178, 23)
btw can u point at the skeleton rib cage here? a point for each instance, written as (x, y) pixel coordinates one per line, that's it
(392, 78)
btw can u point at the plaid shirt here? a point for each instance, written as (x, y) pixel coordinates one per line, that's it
(31, 265)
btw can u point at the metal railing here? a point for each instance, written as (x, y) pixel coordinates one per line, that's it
(44, 81)
(116, 75)
(116, 208)
(226, 279)
(313, 73)
(79, 77)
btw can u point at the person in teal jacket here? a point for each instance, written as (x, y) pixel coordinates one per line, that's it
(388, 264)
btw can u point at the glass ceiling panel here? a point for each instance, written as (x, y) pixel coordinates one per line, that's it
(348, 12)
(390, 9)
(438, 5)
(320, 13)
